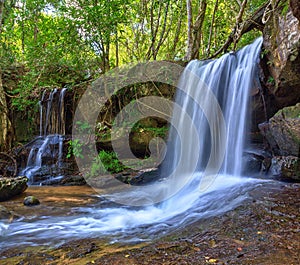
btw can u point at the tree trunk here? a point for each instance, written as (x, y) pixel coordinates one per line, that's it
(189, 30)
(195, 30)
(5, 124)
(1, 14)
(212, 27)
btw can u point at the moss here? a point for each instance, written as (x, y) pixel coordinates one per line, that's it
(292, 112)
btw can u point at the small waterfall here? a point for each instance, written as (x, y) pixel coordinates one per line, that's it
(61, 112)
(46, 153)
(41, 112)
(50, 114)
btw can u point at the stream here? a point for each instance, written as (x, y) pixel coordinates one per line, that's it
(68, 213)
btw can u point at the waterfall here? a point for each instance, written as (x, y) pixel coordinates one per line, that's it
(230, 78)
(215, 96)
(47, 149)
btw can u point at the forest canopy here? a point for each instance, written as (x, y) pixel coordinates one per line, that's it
(47, 44)
(61, 42)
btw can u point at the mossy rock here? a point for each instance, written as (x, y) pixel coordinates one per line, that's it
(31, 201)
(10, 187)
(282, 132)
(292, 112)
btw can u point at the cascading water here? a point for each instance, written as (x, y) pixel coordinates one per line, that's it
(48, 147)
(230, 79)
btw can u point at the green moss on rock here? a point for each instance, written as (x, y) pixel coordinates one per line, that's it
(10, 187)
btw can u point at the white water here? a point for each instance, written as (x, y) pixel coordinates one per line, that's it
(61, 112)
(47, 126)
(230, 79)
(41, 112)
(121, 223)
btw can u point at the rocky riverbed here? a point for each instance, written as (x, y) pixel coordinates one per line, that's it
(263, 230)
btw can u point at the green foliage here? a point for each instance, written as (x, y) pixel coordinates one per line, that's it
(67, 42)
(83, 127)
(284, 5)
(75, 148)
(271, 80)
(156, 131)
(106, 161)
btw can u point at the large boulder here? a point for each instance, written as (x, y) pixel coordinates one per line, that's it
(282, 132)
(10, 187)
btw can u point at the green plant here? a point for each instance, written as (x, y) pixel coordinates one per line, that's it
(106, 161)
(75, 148)
(271, 80)
(83, 127)
(156, 131)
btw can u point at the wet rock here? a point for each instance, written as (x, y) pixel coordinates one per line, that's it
(266, 164)
(286, 167)
(10, 187)
(124, 177)
(74, 180)
(104, 182)
(146, 176)
(252, 163)
(31, 201)
(282, 132)
(5, 213)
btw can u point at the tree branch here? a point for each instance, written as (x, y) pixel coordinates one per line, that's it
(254, 21)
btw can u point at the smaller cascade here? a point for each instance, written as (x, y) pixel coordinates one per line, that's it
(41, 112)
(61, 112)
(45, 158)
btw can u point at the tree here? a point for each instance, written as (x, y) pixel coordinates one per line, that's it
(194, 30)
(62, 42)
(5, 123)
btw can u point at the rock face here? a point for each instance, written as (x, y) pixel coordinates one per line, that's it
(282, 132)
(280, 81)
(280, 64)
(284, 59)
(10, 187)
